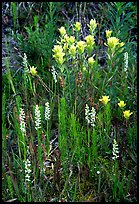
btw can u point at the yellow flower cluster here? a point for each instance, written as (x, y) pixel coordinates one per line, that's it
(108, 33)
(113, 43)
(62, 30)
(92, 26)
(91, 61)
(58, 54)
(90, 42)
(127, 114)
(72, 51)
(104, 99)
(33, 71)
(121, 104)
(77, 26)
(80, 46)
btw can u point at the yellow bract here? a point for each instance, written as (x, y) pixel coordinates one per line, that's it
(108, 33)
(121, 104)
(72, 50)
(91, 61)
(77, 26)
(127, 113)
(58, 54)
(33, 70)
(104, 99)
(62, 30)
(80, 46)
(112, 42)
(90, 41)
(92, 26)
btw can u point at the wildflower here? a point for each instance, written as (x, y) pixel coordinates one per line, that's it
(80, 46)
(92, 116)
(87, 113)
(47, 111)
(71, 40)
(115, 150)
(126, 62)
(33, 70)
(84, 69)
(108, 33)
(104, 99)
(22, 121)
(90, 42)
(54, 73)
(98, 172)
(72, 50)
(121, 104)
(127, 113)
(57, 49)
(58, 54)
(92, 26)
(77, 26)
(120, 46)
(91, 61)
(112, 42)
(37, 118)
(27, 170)
(66, 38)
(62, 30)
(25, 63)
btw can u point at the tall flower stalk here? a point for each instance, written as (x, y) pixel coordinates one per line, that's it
(47, 118)
(38, 130)
(22, 142)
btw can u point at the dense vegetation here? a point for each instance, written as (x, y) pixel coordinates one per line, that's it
(69, 106)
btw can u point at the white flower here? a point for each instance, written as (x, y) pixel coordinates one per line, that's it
(115, 150)
(22, 121)
(90, 115)
(54, 73)
(47, 111)
(25, 63)
(27, 170)
(87, 113)
(126, 62)
(37, 118)
(98, 172)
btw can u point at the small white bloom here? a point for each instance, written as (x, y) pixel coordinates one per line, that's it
(98, 172)
(22, 121)
(26, 69)
(47, 111)
(54, 73)
(27, 170)
(126, 62)
(37, 118)
(87, 113)
(115, 150)
(90, 115)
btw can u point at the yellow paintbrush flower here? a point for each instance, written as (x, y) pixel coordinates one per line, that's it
(127, 113)
(108, 33)
(62, 30)
(33, 70)
(77, 26)
(104, 99)
(91, 61)
(93, 24)
(121, 104)
(80, 46)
